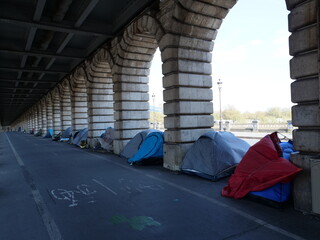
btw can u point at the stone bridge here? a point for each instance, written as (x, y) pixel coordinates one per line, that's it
(110, 88)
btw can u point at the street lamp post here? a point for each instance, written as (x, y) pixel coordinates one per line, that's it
(219, 87)
(154, 108)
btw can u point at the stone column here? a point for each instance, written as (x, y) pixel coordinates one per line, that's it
(44, 116)
(65, 105)
(39, 117)
(191, 27)
(49, 111)
(79, 100)
(131, 108)
(187, 94)
(100, 100)
(29, 121)
(130, 78)
(304, 45)
(35, 119)
(56, 111)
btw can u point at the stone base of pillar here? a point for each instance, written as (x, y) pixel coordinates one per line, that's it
(302, 187)
(118, 146)
(173, 155)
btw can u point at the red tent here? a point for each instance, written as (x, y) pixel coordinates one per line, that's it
(260, 168)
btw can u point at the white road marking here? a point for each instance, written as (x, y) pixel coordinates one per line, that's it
(104, 186)
(51, 226)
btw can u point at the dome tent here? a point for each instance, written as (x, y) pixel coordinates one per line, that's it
(214, 155)
(66, 135)
(144, 145)
(81, 136)
(49, 133)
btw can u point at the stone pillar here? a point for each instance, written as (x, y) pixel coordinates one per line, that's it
(56, 111)
(187, 94)
(131, 108)
(39, 116)
(29, 121)
(186, 49)
(49, 111)
(65, 105)
(35, 119)
(304, 69)
(100, 100)
(130, 78)
(44, 116)
(79, 100)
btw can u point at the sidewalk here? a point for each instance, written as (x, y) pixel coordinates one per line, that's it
(96, 196)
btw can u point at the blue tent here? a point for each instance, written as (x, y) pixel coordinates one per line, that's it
(145, 145)
(66, 135)
(134, 144)
(81, 136)
(49, 133)
(151, 147)
(280, 192)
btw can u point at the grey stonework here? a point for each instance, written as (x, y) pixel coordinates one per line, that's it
(304, 69)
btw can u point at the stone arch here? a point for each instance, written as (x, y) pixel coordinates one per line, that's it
(100, 94)
(56, 110)
(79, 99)
(132, 60)
(65, 94)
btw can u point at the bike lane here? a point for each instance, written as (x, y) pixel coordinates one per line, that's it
(99, 196)
(19, 215)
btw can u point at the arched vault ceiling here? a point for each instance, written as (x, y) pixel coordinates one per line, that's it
(43, 41)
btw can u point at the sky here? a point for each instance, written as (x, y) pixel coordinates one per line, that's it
(250, 56)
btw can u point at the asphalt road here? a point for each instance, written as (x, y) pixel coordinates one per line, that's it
(52, 190)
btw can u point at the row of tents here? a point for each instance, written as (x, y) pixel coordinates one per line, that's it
(263, 170)
(79, 138)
